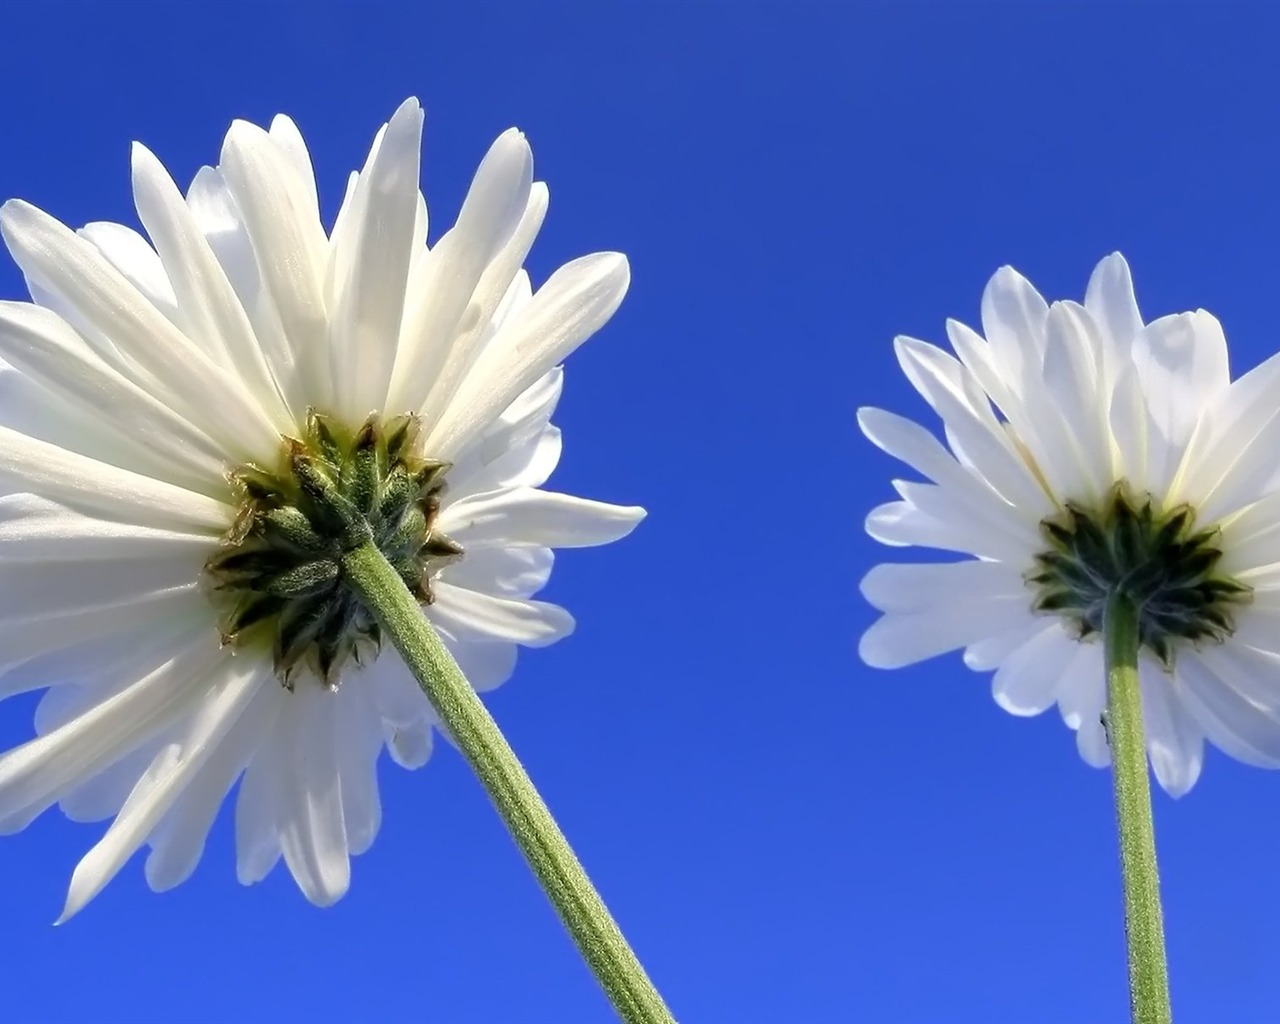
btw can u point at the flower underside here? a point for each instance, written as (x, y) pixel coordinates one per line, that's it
(279, 570)
(1157, 559)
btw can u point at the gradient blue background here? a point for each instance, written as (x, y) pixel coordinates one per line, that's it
(784, 834)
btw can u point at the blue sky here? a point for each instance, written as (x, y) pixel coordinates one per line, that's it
(784, 834)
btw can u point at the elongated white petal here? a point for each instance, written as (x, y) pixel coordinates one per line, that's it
(365, 328)
(312, 831)
(214, 210)
(33, 529)
(484, 617)
(1175, 743)
(505, 571)
(210, 310)
(178, 843)
(1013, 320)
(288, 246)
(36, 773)
(93, 487)
(1182, 363)
(1026, 682)
(485, 664)
(576, 301)
(442, 285)
(501, 287)
(284, 133)
(46, 349)
(258, 807)
(229, 691)
(1073, 381)
(1111, 302)
(528, 516)
(131, 334)
(892, 587)
(358, 734)
(138, 263)
(903, 639)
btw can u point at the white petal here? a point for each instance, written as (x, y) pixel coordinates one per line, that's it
(365, 328)
(443, 283)
(576, 301)
(1073, 381)
(908, 442)
(1231, 458)
(987, 654)
(1013, 320)
(977, 357)
(313, 836)
(93, 487)
(528, 516)
(519, 426)
(486, 665)
(896, 640)
(178, 843)
(1082, 690)
(501, 288)
(992, 528)
(132, 335)
(396, 692)
(359, 739)
(227, 694)
(1111, 302)
(1091, 741)
(101, 796)
(472, 616)
(912, 587)
(129, 253)
(258, 806)
(1027, 680)
(411, 743)
(35, 774)
(44, 347)
(505, 571)
(1182, 362)
(1139, 449)
(215, 211)
(35, 530)
(1174, 743)
(901, 524)
(284, 133)
(210, 310)
(289, 246)
(1219, 686)
(975, 434)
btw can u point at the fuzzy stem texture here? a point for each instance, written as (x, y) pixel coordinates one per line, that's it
(1144, 925)
(509, 787)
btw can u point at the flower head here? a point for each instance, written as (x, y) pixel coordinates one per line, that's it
(1088, 451)
(187, 423)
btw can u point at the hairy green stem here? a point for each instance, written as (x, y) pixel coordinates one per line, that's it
(508, 785)
(1144, 924)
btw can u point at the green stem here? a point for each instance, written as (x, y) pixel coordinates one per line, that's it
(1144, 925)
(508, 785)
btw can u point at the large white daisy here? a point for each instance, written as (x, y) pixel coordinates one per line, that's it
(154, 574)
(1087, 450)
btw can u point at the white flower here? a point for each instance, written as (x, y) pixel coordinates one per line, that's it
(143, 376)
(1064, 419)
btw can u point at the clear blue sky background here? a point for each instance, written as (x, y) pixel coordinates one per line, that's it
(785, 835)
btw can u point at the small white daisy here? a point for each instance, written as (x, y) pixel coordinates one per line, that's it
(163, 573)
(1087, 450)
